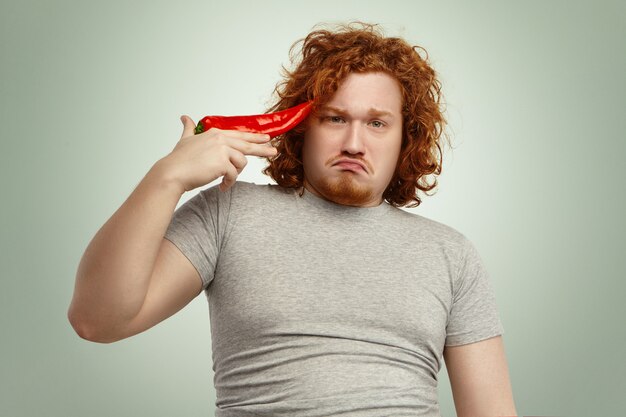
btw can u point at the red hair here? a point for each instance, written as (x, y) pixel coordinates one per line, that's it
(327, 59)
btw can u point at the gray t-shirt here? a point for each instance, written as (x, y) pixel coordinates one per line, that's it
(319, 309)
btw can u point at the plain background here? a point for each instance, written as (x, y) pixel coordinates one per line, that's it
(91, 97)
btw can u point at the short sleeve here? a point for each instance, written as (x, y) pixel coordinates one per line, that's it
(474, 313)
(197, 229)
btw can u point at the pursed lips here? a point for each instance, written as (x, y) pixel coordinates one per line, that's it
(351, 163)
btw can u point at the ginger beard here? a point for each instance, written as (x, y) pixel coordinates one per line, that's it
(344, 189)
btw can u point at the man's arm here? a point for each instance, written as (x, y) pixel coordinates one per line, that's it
(479, 378)
(130, 277)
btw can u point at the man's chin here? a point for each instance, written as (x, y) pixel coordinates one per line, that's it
(345, 190)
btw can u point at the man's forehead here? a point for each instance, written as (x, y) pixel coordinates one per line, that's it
(371, 110)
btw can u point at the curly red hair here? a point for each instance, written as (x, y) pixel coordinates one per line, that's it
(328, 57)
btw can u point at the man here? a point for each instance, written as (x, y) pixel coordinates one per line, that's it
(325, 298)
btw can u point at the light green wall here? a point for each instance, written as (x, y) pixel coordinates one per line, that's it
(91, 93)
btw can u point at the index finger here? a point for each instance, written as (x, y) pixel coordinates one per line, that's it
(247, 147)
(249, 136)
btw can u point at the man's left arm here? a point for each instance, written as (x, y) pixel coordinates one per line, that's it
(479, 378)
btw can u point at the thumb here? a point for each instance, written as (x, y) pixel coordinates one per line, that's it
(189, 126)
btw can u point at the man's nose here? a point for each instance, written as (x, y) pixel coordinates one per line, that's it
(353, 142)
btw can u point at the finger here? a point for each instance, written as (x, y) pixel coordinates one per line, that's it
(188, 126)
(249, 148)
(249, 136)
(229, 178)
(238, 160)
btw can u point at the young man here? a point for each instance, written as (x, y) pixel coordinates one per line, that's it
(325, 298)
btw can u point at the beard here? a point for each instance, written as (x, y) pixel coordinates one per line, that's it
(345, 190)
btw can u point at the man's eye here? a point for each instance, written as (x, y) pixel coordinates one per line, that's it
(377, 123)
(335, 119)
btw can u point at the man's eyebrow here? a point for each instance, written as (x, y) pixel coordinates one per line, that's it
(371, 112)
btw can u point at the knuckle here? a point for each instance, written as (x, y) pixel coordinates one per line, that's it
(223, 149)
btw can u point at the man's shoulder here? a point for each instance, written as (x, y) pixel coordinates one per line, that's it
(245, 188)
(248, 194)
(431, 228)
(242, 192)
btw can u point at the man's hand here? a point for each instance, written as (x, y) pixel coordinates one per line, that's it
(199, 159)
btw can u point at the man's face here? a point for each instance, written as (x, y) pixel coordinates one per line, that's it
(361, 123)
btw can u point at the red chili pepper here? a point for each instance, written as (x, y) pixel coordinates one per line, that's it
(273, 124)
